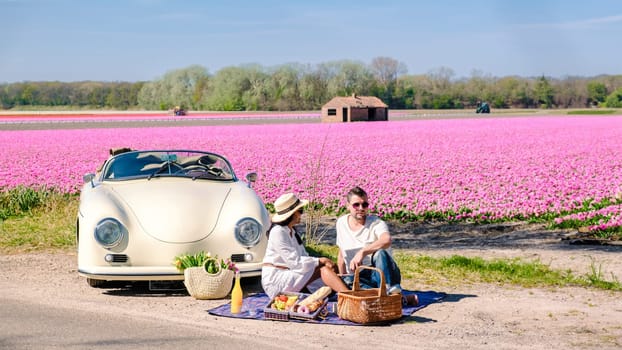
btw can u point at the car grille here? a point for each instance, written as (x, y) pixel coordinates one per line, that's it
(237, 258)
(119, 258)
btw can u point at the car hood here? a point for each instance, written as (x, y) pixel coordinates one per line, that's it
(174, 211)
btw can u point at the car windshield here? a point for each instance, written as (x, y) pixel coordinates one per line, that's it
(151, 164)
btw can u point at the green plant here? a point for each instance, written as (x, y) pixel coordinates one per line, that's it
(595, 278)
(212, 263)
(21, 200)
(49, 225)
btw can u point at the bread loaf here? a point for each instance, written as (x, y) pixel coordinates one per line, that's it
(315, 305)
(318, 295)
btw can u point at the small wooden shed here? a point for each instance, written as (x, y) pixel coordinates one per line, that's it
(354, 109)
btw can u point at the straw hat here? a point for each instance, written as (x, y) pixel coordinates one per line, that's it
(286, 205)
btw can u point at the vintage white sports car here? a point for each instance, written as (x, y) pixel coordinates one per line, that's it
(143, 208)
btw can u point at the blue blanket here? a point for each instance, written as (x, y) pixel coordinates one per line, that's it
(254, 304)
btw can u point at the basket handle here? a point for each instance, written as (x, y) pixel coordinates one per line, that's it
(382, 291)
(216, 264)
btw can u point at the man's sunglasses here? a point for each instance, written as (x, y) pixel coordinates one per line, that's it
(357, 205)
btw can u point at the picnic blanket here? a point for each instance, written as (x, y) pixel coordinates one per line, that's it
(254, 304)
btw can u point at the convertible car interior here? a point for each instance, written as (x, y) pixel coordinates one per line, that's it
(134, 164)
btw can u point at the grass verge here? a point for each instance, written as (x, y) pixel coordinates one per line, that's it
(45, 226)
(458, 269)
(592, 111)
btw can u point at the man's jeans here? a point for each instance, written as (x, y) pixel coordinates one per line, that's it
(383, 261)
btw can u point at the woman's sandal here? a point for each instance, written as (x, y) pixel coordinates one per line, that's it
(410, 300)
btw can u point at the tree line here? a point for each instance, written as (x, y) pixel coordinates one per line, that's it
(298, 87)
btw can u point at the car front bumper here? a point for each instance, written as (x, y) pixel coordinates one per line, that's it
(152, 273)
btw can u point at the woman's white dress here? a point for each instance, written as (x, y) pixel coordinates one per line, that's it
(283, 250)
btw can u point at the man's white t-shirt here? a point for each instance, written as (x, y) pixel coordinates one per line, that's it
(350, 242)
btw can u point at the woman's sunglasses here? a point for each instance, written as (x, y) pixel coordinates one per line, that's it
(357, 205)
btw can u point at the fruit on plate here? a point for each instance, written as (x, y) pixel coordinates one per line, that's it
(278, 304)
(284, 302)
(291, 300)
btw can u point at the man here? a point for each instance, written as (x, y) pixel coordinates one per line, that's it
(365, 240)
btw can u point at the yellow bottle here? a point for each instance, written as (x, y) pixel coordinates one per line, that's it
(236, 295)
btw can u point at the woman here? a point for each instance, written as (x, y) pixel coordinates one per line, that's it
(287, 267)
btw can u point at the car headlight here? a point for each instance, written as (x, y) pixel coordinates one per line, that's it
(109, 232)
(248, 232)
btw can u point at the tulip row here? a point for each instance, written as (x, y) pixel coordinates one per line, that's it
(456, 169)
(603, 219)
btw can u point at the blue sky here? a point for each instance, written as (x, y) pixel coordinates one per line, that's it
(132, 40)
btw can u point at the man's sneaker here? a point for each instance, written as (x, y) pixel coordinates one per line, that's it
(410, 300)
(396, 289)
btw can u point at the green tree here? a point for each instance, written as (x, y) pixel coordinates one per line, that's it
(175, 88)
(257, 96)
(227, 87)
(478, 88)
(571, 92)
(404, 95)
(313, 89)
(386, 70)
(614, 100)
(199, 95)
(441, 79)
(283, 88)
(597, 92)
(544, 92)
(27, 96)
(6, 101)
(91, 94)
(349, 77)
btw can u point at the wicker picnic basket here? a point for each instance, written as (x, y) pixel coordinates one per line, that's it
(368, 305)
(203, 285)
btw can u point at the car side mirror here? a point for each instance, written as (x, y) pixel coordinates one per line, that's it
(89, 178)
(250, 178)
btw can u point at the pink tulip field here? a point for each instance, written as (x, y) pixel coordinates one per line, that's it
(565, 170)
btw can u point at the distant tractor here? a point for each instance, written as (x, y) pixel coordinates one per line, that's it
(482, 107)
(179, 111)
